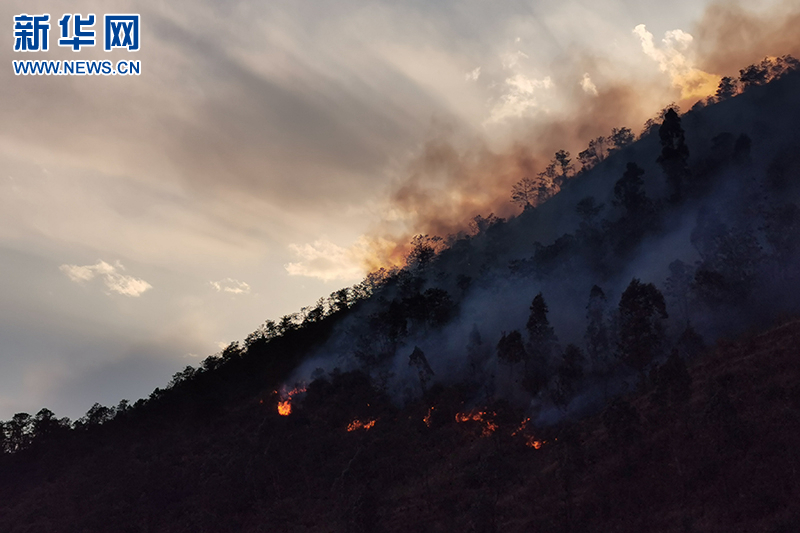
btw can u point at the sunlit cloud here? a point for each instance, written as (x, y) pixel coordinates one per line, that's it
(588, 85)
(230, 285)
(113, 279)
(512, 60)
(328, 261)
(473, 75)
(520, 91)
(675, 58)
(520, 98)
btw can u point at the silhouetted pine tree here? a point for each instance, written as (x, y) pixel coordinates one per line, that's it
(674, 154)
(726, 89)
(511, 350)
(541, 341)
(641, 333)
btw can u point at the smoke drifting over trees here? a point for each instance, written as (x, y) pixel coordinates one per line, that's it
(453, 179)
(671, 238)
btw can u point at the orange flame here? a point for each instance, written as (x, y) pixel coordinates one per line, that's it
(427, 418)
(530, 441)
(521, 427)
(285, 408)
(484, 418)
(285, 403)
(360, 424)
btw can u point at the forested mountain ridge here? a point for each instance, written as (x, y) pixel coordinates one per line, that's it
(430, 390)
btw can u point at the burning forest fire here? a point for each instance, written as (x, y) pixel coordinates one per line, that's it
(530, 441)
(285, 408)
(285, 403)
(357, 424)
(488, 425)
(427, 418)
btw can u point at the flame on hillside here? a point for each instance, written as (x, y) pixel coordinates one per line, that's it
(530, 440)
(285, 402)
(484, 418)
(285, 408)
(427, 418)
(357, 424)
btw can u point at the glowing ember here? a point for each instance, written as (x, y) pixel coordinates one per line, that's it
(427, 418)
(530, 441)
(285, 403)
(482, 417)
(521, 427)
(361, 424)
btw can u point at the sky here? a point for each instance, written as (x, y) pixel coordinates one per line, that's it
(270, 153)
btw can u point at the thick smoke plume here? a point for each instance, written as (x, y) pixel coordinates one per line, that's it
(452, 181)
(732, 34)
(706, 233)
(698, 217)
(458, 177)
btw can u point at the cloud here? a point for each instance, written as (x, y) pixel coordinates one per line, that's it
(233, 286)
(511, 61)
(327, 261)
(520, 98)
(520, 91)
(674, 57)
(114, 280)
(588, 85)
(473, 75)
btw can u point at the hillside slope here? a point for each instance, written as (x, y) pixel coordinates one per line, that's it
(717, 453)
